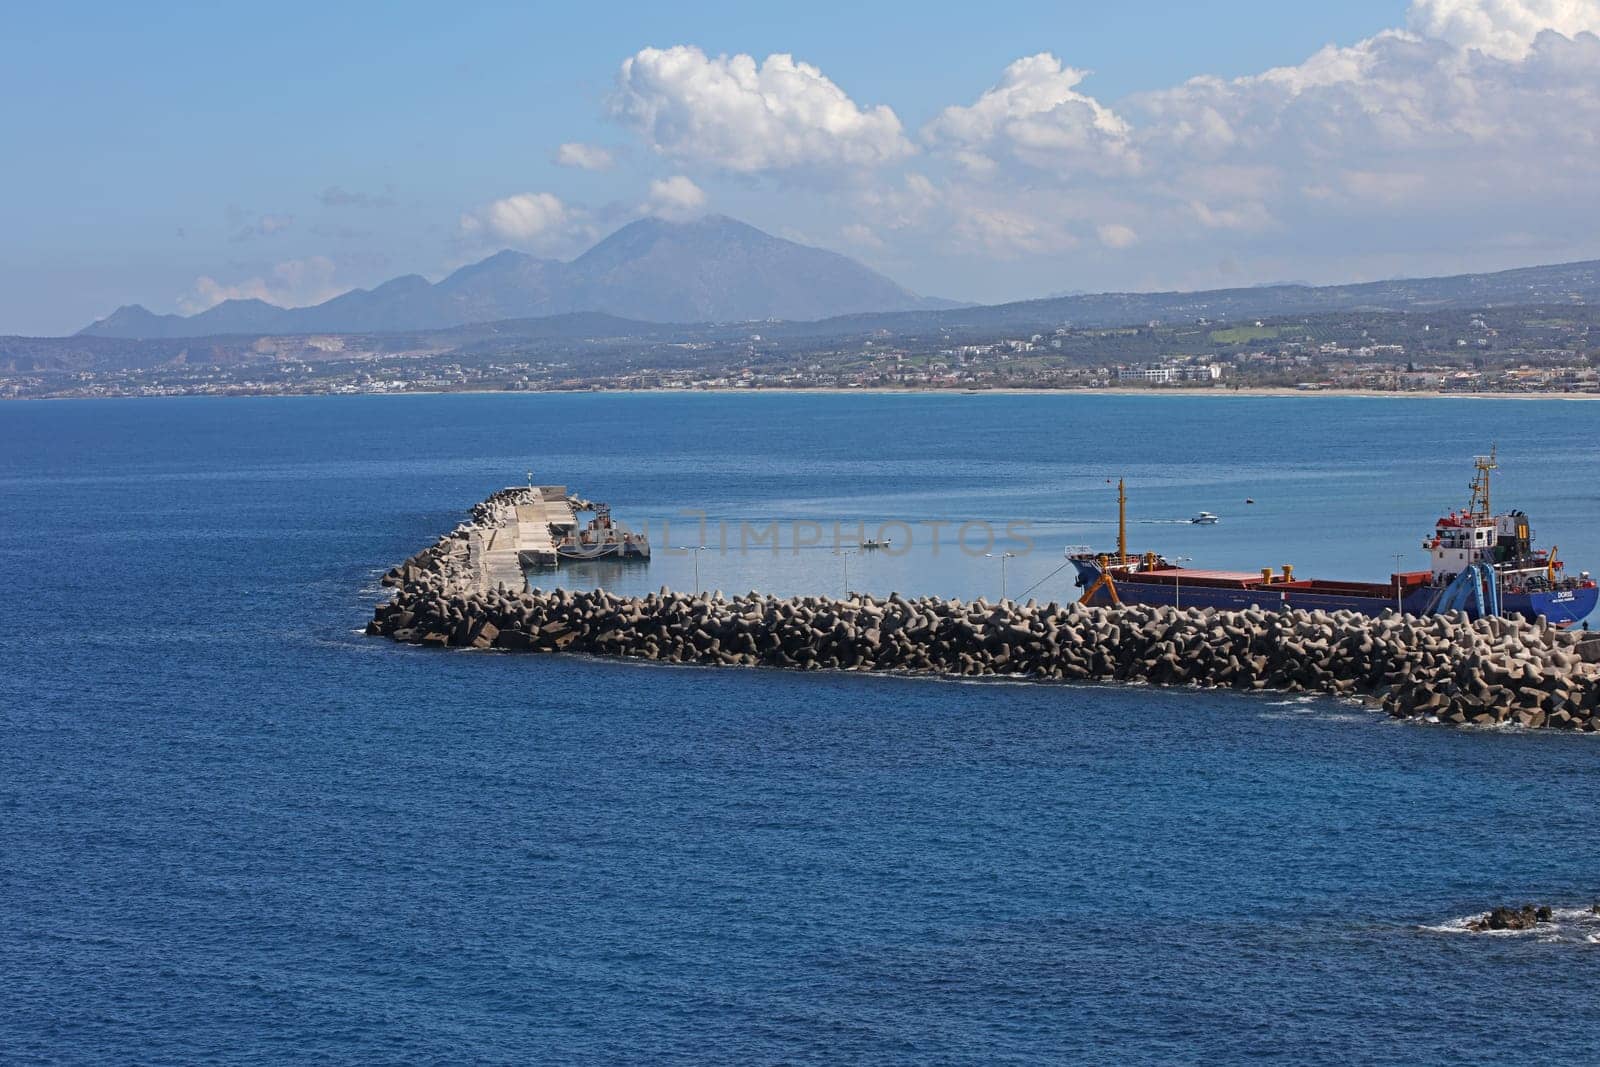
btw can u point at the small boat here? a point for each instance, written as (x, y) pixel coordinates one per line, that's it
(1205, 518)
(603, 538)
(1249, 500)
(875, 542)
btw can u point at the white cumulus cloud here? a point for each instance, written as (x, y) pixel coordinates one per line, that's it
(533, 220)
(1116, 235)
(1475, 127)
(1034, 113)
(585, 156)
(859, 234)
(1504, 28)
(676, 198)
(732, 113)
(292, 283)
(1396, 100)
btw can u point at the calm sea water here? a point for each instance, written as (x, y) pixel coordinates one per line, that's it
(233, 829)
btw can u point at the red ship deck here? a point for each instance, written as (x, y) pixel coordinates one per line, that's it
(1248, 580)
(1236, 578)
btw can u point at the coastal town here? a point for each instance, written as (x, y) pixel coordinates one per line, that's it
(1527, 350)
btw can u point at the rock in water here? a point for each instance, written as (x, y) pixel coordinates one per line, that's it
(1505, 918)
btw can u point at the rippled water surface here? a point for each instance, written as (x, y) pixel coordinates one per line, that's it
(233, 829)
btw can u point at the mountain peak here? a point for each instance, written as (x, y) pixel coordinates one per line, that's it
(709, 268)
(708, 223)
(503, 258)
(130, 320)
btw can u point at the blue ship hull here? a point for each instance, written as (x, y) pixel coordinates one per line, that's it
(1562, 608)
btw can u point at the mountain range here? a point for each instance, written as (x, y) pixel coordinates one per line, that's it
(712, 269)
(584, 337)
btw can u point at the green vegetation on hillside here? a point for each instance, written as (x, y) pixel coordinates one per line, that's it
(1239, 335)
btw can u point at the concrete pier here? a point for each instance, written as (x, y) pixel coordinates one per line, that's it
(511, 530)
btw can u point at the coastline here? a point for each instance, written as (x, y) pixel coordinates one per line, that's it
(1180, 391)
(1267, 392)
(1247, 391)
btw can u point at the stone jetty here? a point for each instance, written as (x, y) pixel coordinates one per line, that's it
(1441, 668)
(508, 530)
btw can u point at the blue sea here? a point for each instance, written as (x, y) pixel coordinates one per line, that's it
(232, 829)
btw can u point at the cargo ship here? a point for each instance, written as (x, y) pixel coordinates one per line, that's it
(1480, 562)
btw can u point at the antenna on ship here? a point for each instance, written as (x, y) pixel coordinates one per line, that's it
(1480, 483)
(1122, 523)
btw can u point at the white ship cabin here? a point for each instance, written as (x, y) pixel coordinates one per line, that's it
(1461, 539)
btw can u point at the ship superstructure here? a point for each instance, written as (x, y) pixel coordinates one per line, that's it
(1503, 542)
(603, 538)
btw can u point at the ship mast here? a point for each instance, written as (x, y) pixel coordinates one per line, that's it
(1122, 523)
(1479, 508)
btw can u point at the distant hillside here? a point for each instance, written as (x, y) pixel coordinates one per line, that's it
(61, 355)
(711, 269)
(1557, 284)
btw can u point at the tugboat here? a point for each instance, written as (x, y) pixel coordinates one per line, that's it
(603, 538)
(1482, 563)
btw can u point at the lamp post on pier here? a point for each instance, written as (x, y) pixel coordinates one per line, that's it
(844, 555)
(696, 549)
(1003, 557)
(1177, 580)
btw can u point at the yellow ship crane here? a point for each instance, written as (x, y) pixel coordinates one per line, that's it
(1105, 581)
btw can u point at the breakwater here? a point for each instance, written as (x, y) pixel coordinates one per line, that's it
(1443, 667)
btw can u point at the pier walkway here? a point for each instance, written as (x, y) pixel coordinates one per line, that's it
(518, 527)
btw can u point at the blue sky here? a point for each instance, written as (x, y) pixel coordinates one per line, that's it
(172, 155)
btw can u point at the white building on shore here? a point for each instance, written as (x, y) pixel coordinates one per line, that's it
(1166, 373)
